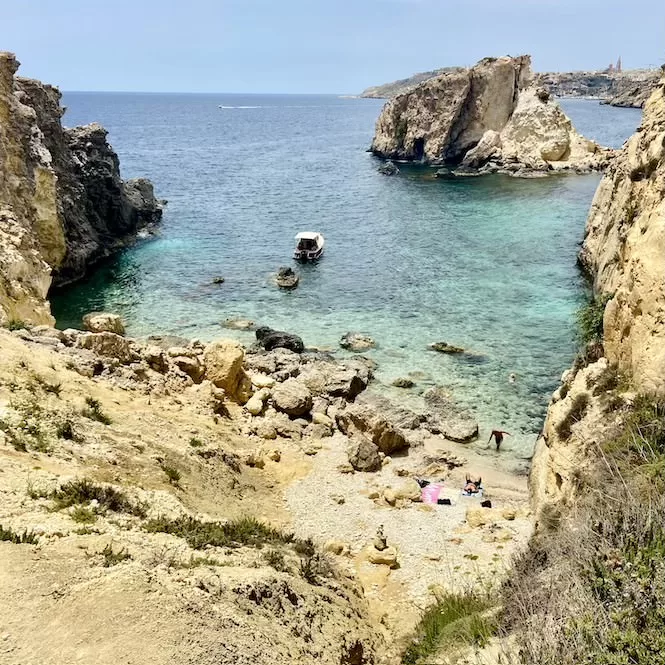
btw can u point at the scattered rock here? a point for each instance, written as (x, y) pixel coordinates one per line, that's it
(336, 547)
(509, 514)
(357, 342)
(389, 496)
(103, 322)
(292, 397)
(477, 516)
(321, 419)
(402, 382)
(255, 405)
(262, 381)
(271, 339)
(266, 430)
(345, 380)
(364, 455)
(287, 278)
(108, 344)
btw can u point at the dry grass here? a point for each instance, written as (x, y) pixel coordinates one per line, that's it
(591, 588)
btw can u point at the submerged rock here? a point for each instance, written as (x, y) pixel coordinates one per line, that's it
(444, 347)
(238, 324)
(287, 278)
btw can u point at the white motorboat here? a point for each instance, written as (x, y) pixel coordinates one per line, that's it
(309, 246)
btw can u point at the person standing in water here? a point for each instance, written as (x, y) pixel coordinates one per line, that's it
(498, 437)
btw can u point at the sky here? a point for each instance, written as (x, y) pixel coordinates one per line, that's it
(312, 46)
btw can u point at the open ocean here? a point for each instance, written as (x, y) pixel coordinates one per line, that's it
(483, 263)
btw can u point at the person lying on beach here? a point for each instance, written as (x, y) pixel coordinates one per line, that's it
(472, 486)
(498, 437)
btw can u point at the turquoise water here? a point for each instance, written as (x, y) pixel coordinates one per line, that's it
(487, 264)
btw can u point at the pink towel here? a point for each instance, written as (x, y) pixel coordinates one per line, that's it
(430, 493)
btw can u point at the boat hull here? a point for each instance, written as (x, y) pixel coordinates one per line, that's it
(308, 255)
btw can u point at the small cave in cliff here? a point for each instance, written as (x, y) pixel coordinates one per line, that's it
(419, 149)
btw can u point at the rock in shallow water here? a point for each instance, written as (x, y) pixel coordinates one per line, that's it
(287, 278)
(271, 339)
(103, 322)
(357, 342)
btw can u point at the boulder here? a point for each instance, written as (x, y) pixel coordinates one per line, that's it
(357, 342)
(255, 405)
(103, 322)
(287, 278)
(223, 362)
(387, 557)
(477, 516)
(364, 455)
(109, 345)
(379, 420)
(408, 490)
(334, 379)
(262, 381)
(292, 397)
(156, 358)
(321, 419)
(402, 382)
(271, 339)
(488, 146)
(190, 365)
(279, 363)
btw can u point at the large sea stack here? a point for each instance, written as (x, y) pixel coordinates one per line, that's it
(487, 118)
(63, 204)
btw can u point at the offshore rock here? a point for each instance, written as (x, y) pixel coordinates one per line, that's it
(287, 278)
(486, 116)
(357, 342)
(103, 322)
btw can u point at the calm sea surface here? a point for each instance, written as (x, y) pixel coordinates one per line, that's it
(483, 263)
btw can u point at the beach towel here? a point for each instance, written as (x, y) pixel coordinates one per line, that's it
(430, 493)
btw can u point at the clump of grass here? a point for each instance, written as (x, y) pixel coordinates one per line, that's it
(275, 559)
(27, 431)
(83, 515)
(198, 534)
(456, 620)
(64, 429)
(41, 382)
(82, 492)
(575, 413)
(113, 558)
(16, 324)
(94, 411)
(9, 535)
(194, 442)
(590, 319)
(172, 474)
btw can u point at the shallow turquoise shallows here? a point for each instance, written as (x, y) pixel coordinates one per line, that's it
(483, 263)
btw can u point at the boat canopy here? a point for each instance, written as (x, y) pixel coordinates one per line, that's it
(307, 235)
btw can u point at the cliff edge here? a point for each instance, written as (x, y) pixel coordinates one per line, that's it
(486, 119)
(63, 204)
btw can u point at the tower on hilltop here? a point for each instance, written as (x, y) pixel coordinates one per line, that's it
(618, 67)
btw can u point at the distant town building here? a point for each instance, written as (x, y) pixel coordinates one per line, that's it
(618, 67)
(610, 69)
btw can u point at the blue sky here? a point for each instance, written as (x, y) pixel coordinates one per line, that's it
(302, 46)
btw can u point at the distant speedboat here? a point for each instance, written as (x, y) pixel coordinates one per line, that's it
(309, 246)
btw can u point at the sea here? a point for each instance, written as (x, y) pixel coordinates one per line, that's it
(487, 264)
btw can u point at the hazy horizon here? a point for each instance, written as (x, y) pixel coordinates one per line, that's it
(314, 47)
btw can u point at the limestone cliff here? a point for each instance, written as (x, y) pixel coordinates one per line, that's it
(623, 254)
(486, 118)
(63, 205)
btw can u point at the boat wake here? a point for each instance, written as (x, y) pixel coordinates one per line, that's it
(239, 107)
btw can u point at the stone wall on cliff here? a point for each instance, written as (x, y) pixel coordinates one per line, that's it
(488, 118)
(623, 254)
(63, 204)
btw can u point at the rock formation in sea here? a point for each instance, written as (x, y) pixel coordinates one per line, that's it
(485, 119)
(63, 204)
(629, 88)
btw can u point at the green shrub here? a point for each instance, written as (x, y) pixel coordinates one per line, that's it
(275, 559)
(82, 492)
(64, 429)
(93, 411)
(27, 537)
(455, 620)
(195, 443)
(113, 558)
(575, 413)
(83, 515)
(16, 324)
(590, 319)
(242, 531)
(172, 474)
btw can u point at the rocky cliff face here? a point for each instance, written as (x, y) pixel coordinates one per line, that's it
(623, 253)
(63, 204)
(485, 118)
